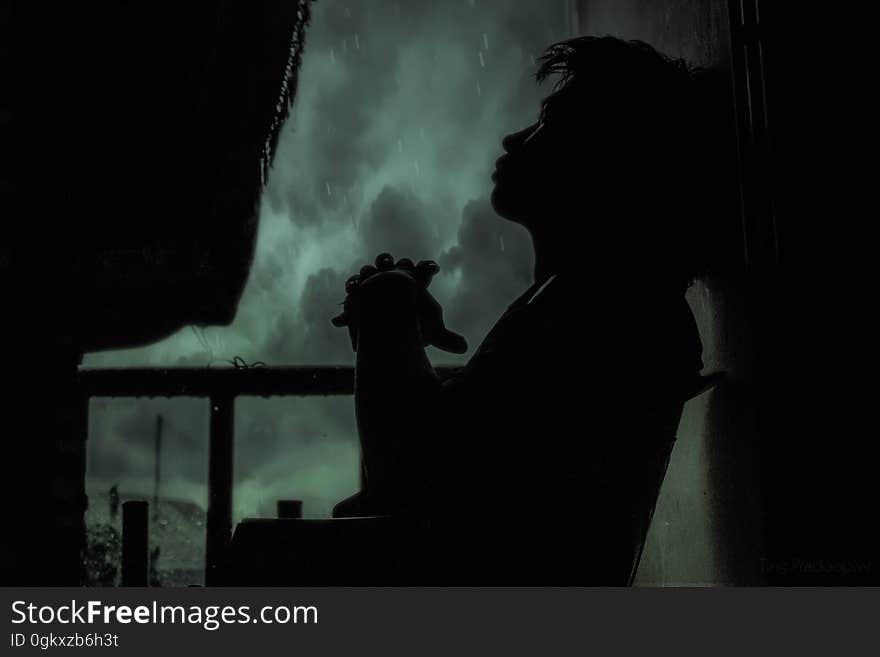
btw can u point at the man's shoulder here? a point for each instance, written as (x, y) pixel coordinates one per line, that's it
(618, 317)
(572, 324)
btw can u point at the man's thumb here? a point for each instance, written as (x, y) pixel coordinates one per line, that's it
(449, 341)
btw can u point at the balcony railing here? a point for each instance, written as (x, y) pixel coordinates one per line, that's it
(221, 387)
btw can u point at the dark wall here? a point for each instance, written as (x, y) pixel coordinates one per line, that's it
(134, 141)
(772, 470)
(707, 526)
(819, 471)
(137, 135)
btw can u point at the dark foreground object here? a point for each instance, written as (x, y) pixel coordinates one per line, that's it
(378, 551)
(388, 551)
(381, 551)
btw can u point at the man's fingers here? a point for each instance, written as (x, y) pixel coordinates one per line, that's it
(449, 341)
(384, 262)
(352, 283)
(343, 319)
(427, 267)
(425, 271)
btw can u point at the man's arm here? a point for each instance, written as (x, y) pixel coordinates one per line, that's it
(397, 391)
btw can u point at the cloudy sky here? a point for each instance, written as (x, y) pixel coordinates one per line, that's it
(390, 145)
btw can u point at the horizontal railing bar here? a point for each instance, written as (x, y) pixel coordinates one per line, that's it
(293, 381)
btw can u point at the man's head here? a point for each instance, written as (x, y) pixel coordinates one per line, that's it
(609, 154)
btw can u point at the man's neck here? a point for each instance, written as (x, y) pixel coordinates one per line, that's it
(574, 255)
(590, 259)
(550, 255)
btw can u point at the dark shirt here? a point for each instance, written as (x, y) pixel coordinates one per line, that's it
(552, 438)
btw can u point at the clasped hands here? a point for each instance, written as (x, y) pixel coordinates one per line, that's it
(397, 285)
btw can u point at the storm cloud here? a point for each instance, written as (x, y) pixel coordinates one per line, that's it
(389, 147)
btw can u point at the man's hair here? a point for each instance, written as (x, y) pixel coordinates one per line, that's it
(646, 145)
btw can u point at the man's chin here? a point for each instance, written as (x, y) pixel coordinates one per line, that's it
(502, 204)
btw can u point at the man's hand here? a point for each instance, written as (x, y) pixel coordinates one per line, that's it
(389, 283)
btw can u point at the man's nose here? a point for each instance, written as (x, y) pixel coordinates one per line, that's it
(515, 139)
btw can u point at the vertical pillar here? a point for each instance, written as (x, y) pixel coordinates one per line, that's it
(290, 509)
(43, 466)
(157, 465)
(220, 472)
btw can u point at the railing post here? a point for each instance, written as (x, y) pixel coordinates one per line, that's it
(289, 509)
(220, 472)
(135, 543)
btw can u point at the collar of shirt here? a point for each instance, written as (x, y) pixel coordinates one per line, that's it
(541, 288)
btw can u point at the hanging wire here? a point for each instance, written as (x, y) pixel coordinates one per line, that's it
(240, 363)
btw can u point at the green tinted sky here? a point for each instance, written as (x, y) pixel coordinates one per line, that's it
(390, 145)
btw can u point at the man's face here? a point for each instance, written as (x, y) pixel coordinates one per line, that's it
(540, 173)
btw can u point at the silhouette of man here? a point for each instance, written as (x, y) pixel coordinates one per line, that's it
(539, 462)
